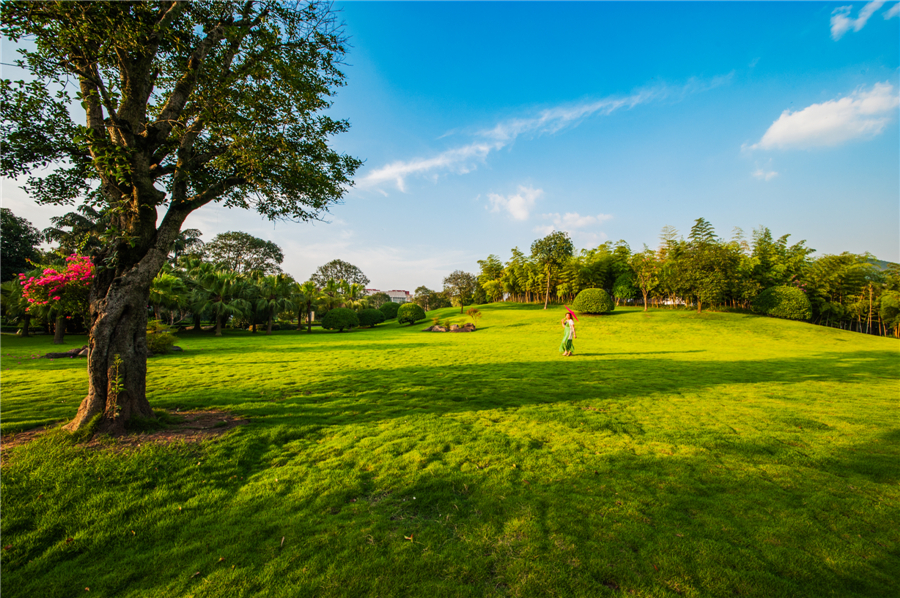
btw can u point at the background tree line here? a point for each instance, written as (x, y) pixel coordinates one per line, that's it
(847, 291)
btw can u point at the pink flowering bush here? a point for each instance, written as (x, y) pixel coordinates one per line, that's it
(65, 291)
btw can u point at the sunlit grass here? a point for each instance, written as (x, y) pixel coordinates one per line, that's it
(674, 454)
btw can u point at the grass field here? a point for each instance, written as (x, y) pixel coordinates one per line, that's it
(675, 454)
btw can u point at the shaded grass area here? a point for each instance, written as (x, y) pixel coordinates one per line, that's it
(675, 454)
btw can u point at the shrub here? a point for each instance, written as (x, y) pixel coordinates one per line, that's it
(340, 318)
(390, 310)
(593, 301)
(783, 302)
(410, 313)
(370, 317)
(159, 339)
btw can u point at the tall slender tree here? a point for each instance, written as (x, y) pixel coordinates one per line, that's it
(550, 253)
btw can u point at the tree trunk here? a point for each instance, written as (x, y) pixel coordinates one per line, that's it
(197, 327)
(547, 293)
(300, 319)
(117, 358)
(269, 326)
(59, 331)
(645, 300)
(699, 306)
(26, 323)
(309, 319)
(218, 325)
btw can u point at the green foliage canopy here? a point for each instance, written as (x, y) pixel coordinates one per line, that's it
(410, 313)
(18, 244)
(783, 302)
(389, 310)
(593, 301)
(370, 317)
(340, 318)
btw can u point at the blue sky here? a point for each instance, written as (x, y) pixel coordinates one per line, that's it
(484, 126)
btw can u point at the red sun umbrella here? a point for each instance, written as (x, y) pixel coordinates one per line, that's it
(571, 312)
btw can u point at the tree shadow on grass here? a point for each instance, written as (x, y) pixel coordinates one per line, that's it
(474, 387)
(331, 521)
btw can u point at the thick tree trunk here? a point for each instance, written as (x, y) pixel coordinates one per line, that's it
(26, 323)
(269, 325)
(59, 331)
(300, 319)
(219, 325)
(197, 327)
(117, 359)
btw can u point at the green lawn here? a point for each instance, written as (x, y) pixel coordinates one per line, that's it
(675, 454)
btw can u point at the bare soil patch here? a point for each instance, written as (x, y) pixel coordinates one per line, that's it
(184, 426)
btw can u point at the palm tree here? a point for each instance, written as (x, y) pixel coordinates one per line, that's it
(355, 296)
(305, 297)
(167, 291)
(275, 292)
(86, 226)
(331, 295)
(222, 294)
(187, 241)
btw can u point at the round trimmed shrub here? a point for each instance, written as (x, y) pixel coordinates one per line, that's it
(783, 302)
(593, 301)
(370, 317)
(410, 313)
(340, 318)
(389, 310)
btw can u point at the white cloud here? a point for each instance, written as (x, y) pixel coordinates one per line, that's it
(764, 175)
(861, 114)
(892, 11)
(518, 205)
(466, 158)
(841, 22)
(570, 221)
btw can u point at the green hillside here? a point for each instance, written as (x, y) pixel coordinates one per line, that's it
(676, 454)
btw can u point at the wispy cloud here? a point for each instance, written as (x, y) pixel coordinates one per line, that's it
(841, 22)
(517, 205)
(764, 175)
(892, 11)
(859, 115)
(465, 158)
(570, 221)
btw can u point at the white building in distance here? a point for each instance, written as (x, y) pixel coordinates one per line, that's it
(396, 296)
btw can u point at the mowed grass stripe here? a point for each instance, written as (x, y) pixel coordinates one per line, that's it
(675, 454)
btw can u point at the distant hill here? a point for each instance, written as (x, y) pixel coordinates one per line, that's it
(882, 264)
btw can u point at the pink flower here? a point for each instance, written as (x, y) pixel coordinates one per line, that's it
(57, 298)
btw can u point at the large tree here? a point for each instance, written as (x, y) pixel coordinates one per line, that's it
(339, 270)
(550, 253)
(18, 243)
(243, 253)
(185, 103)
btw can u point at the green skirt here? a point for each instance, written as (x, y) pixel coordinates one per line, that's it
(566, 346)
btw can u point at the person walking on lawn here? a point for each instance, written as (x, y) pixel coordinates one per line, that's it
(567, 347)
